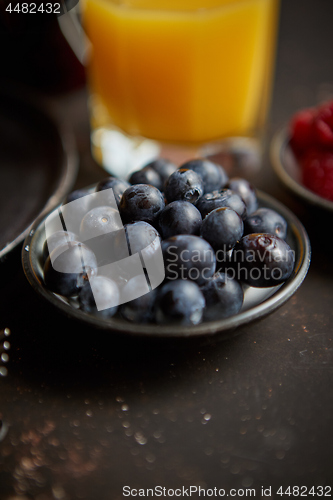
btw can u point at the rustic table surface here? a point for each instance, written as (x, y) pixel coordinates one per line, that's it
(83, 415)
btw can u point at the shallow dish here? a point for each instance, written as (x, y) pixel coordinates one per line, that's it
(289, 171)
(257, 301)
(38, 165)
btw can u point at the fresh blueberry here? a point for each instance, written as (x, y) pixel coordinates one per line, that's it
(222, 228)
(117, 185)
(218, 199)
(76, 205)
(56, 240)
(141, 202)
(246, 191)
(179, 217)
(147, 175)
(266, 220)
(181, 302)
(262, 260)
(69, 267)
(140, 309)
(213, 175)
(183, 184)
(188, 257)
(223, 295)
(76, 195)
(163, 167)
(98, 221)
(142, 236)
(99, 296)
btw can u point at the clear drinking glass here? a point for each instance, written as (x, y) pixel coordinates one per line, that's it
(177, 78)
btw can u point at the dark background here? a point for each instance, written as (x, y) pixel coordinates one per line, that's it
(87, 414)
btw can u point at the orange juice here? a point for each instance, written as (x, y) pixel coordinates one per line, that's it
(182, 70)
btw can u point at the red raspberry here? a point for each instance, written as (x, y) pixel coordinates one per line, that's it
(317, 168)
(323, 125)
(301, 130)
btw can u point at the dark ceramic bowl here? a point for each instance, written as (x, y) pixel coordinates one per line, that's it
(257, 301)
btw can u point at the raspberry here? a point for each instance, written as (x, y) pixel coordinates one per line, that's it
(318, 172)
(323, 126)
(301, 130)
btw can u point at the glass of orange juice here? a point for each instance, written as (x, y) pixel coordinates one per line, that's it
(177, 78)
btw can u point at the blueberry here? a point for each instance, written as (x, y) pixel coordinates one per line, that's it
(57, 239)
(222, 228)
(76, 205)
(213, 175)
(266, 220)
(180, 302)
(99, 296)
(147, 175)
(262, 260)
(140, 309)
(246, 191)
(69, 267)
(188, 257)
(223, 295)
(98, 221)
(184, 185)
(117, 185)
(163, 167)
(141, 202)
(76, 195)
(142, 236)
(218, 199)
(179, 217)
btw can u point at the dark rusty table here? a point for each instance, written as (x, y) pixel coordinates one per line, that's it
(84, 414)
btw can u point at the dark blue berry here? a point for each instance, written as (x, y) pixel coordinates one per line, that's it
(262, 260)
(76, 205)
(218, 199)
(179, 217)
(141, 202)
(188, 257)
(180, 302)
(69, 267)
(147, 175)
(266, 220)
(99, 296)
(213, 175)
(56, 240)
(118, 186)
(163, 167)
(222, 228)
(223, 295)
(246, 191)
(140, 309)
(184, 185)
(99, 221)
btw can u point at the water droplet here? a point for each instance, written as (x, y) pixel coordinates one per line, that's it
(27, 248)
(247, 481)
(3, 371)
(280, 455)
(140, 438)
(6, 345)
(89, 413)
(4, 357)
(7, 332)
(124, 407)
(207, 417)
(32, 232)
(150, 458)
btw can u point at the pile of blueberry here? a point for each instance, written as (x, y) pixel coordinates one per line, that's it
(213, 238)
